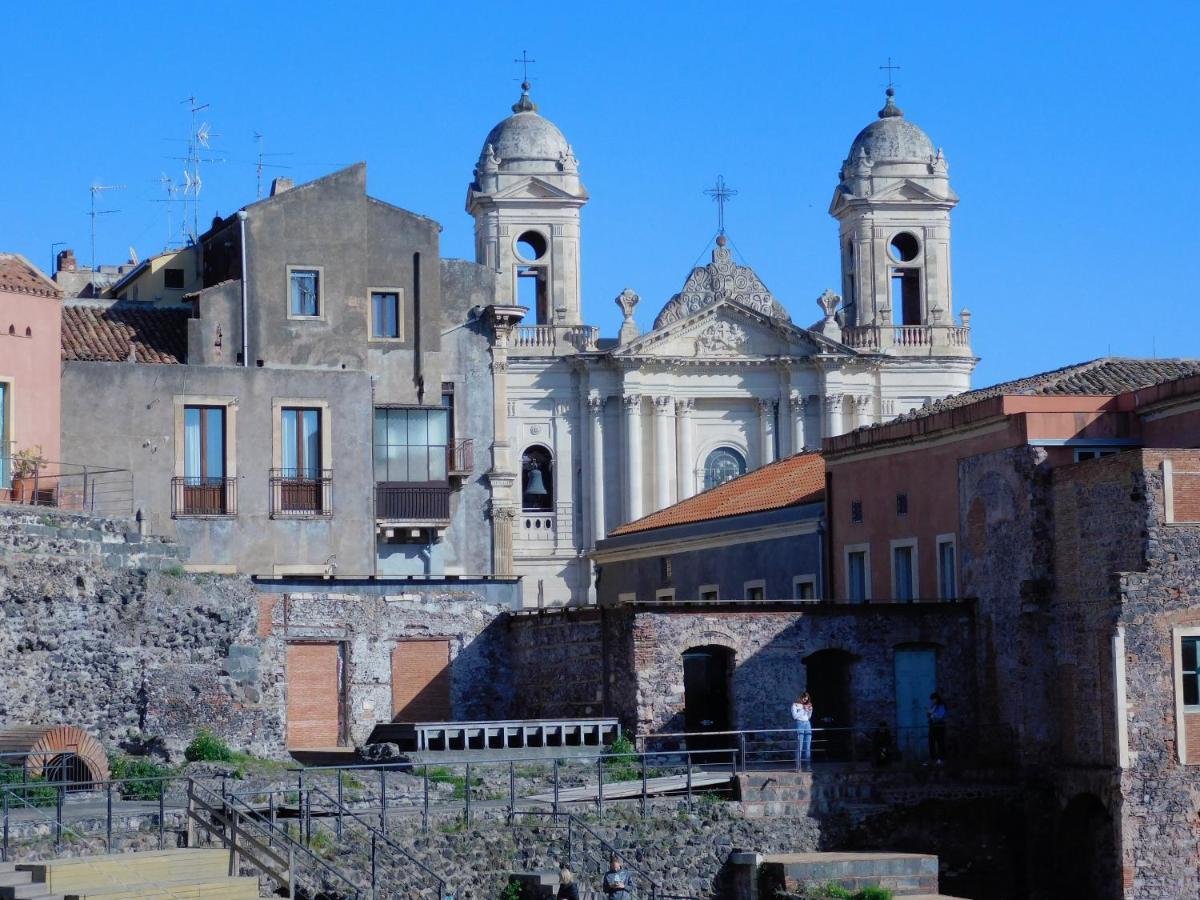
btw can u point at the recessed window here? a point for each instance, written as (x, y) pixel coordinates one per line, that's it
(410, 445)
(385, 315)
(665, 568)
(903, 573)
(856, 512)
(665, 595)
(1190, 654)
(902, 504)
(904, 247)
(173, 278)
(947, 569)
(304, 286)
(906, 296)
(531, 245)
(804, 587)
(856, 576)
(1096, 453)
(202, 490)
(755, 591)
(708, 593)
(723, 464)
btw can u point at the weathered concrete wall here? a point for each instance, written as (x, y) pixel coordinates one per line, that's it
(137, 427)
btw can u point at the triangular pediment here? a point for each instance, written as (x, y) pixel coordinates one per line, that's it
(727, 331)
(533, 188)
(906, 189)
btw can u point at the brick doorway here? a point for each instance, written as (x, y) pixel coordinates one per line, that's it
(421, 681)
(315, 708)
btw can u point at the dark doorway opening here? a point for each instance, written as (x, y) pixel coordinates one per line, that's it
(1085, 851)
(707, 706)
(829, 685)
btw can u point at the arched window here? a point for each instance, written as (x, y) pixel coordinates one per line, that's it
(723, 464)
(537, 480)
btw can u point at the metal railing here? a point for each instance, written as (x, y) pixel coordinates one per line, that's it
(301, 493)
(99, 490)
(460, 457)
(412, 502)
(201, 496)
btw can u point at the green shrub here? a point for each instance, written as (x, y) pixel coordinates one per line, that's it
(873, 893)
(129, 769)
(207, 747)
(512, 891)
(832, 891)
(34, 791)
(621, 761)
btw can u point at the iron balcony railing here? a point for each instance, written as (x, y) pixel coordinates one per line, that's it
(99, 490)
(460, 457)
(301, 493)
(401, 502)
(201, 496)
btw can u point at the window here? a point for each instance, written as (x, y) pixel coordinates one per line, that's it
(723, 464)
(537, 481)
(385, 315)
(304, 287)
(173, 278)
(755, 591)
(804, 587)
(904, 247)
(904, 576)
(709, 593)
(856, 512)
(1095, 453)
(1189, 651)
(906, 296)
(902, 504)
(410, 444)
(665, 595)
(665, 568)
(300, 478)
(201, 491)
(947, 567)
(858, 573)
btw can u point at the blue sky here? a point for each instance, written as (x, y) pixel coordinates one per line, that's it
(1069, 129)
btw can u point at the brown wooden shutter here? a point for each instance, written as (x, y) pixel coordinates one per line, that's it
(421, 681)
(314, 696)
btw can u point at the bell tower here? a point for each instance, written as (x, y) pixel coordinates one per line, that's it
(525, 199)
(893, 203)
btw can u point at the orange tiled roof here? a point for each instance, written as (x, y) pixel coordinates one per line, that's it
(793, 481)
(106, 334)
(19, 276)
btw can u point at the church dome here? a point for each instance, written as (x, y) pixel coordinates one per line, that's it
(892, 138)
(526, 136)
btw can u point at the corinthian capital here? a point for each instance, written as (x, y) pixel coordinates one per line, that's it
(632, 402)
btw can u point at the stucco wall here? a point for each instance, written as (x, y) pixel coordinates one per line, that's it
(123, 415)
(29, 367)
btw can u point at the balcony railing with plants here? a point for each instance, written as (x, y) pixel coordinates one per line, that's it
(29, 478)
(301, 493)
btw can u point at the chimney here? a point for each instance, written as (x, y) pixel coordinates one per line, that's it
(66, 260)
(280, 184)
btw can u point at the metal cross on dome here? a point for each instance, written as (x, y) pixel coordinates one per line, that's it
(890, 68)
(525, 62)
(722, 194)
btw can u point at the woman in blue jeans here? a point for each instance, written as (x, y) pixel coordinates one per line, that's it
(802, 711)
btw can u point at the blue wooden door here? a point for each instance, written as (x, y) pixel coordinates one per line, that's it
(916, 679)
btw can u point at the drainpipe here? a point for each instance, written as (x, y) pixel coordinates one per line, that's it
(245, 337)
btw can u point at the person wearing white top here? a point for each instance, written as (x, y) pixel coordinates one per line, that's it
(802, 711)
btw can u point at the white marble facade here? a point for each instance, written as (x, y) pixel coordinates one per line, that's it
(601, 432)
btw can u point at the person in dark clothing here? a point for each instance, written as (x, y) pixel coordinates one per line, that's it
(617, 884)
(567, 888)
(937, 728)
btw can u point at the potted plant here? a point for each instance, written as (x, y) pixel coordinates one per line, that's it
(25, 467)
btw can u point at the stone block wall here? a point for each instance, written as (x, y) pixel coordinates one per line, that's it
(558, 659)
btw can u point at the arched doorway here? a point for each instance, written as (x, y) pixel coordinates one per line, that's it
(707, 692)
(1085, 862)
(830, 686)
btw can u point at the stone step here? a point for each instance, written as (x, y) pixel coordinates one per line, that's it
(83, 874)
(906, 874)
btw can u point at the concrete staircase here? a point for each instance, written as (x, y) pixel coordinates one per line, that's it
(162, 874)
(913, 876)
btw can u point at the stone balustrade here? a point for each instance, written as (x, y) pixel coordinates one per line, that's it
(549, 340)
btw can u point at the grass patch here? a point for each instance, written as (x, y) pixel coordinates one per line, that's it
(442, 775)
(832, 891)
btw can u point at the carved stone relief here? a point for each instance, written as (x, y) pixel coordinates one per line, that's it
(720, 338)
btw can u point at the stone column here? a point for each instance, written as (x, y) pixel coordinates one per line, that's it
(633, 456)
(685, 466)
(833, 415)
(596, 411)
(766, 414)
(662, 452)
(799, 408)
(862, 410)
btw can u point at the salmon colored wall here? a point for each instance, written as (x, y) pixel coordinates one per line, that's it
(1179, 430)
(33, 366)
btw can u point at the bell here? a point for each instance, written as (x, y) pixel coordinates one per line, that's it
(536, 487)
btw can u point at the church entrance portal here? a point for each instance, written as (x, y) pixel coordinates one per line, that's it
(829, 686)
(707, 706)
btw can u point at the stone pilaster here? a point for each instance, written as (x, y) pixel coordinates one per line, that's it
(632, 404)
(662, 452)
(685, 465)
(766, 436)
(798, 404)
(596, 466)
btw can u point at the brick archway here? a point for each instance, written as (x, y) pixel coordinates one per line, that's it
(45, 747)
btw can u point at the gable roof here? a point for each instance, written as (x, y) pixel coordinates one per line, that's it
(19, 276)
(793, 481)
(1106, 376)
(106, 334)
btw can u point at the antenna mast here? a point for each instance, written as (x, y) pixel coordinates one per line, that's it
(96, 189)
(192, 183)
(260, 165)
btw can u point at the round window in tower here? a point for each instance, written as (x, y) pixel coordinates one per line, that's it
(904, 247)
(531, 245)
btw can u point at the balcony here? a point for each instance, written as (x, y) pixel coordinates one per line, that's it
(460, 458)
(553, 340)
(907, 340)
(100, 490)
(421, 504)
(203, 497)
(301, 493)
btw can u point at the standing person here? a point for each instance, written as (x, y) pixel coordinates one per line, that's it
(617, 884)
(937, 728)
(567, 888)
(802, 711)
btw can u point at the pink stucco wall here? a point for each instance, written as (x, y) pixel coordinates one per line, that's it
(30, 359)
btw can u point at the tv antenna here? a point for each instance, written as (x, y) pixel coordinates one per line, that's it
(258, 137)
(193, 183)
(99, 189)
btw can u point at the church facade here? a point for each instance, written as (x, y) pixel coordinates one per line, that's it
(594, 432)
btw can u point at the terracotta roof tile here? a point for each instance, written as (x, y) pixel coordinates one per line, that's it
(793, 481)
(19, 276)
(105, 334)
